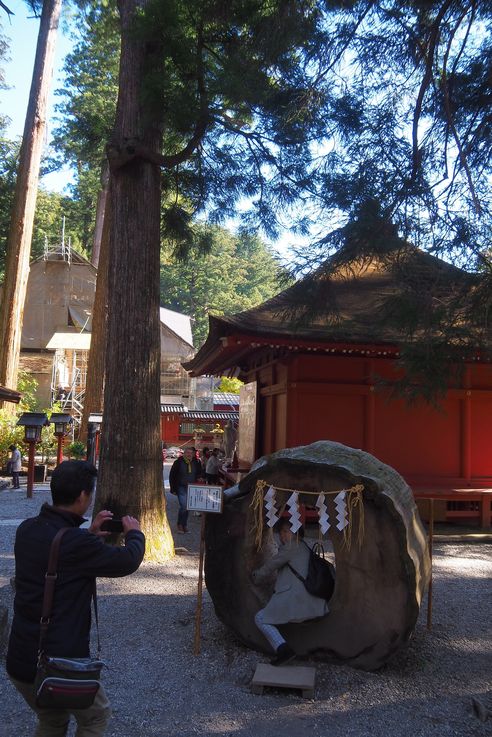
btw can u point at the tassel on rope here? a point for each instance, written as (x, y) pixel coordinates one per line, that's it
(355, 500)
(257, 507)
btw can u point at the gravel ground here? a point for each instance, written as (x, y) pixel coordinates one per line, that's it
(159, 688)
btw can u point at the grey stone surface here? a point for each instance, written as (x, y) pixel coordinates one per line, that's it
(379, 586)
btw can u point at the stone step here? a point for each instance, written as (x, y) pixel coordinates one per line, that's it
(285, 676)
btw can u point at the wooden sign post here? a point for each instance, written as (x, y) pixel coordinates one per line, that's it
(431, 542)
(204, 499)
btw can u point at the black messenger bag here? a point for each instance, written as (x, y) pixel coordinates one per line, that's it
(63, 683)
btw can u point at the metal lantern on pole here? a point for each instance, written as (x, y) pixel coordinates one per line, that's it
(61, 421)
(33, 423)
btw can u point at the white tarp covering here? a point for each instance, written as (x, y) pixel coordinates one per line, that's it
(72, 341)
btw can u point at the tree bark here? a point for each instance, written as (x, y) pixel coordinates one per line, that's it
(94, 387)
(26, 188)
(130, 476)
(100, 214)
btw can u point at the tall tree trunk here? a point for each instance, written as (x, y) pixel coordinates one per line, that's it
(94, 387)
(100, 214)
(130, 479)
(26, 188)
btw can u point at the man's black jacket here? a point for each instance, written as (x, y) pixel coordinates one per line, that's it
(182, 473)
(83, 556)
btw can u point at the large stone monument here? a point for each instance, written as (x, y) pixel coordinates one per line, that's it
(382, 560)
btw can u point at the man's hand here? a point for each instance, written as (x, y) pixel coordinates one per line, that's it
(98, 521)
(130, 523)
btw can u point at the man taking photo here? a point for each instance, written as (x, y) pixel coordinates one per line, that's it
(83, 556)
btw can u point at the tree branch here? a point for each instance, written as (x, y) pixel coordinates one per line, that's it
(431, 47)
(449, 114)
(7, 10)
(119, 156)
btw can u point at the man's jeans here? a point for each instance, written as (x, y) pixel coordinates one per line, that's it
(91, 722)
(182, 500)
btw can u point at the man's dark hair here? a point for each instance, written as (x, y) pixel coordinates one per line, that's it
(69, 479)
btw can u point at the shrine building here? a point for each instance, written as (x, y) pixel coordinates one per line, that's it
(330, 374)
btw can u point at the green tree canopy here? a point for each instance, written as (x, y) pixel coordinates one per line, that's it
(408, 122)
(4, 56)
(88, 98)
(86, 111)
(237, 273)
(221, 70)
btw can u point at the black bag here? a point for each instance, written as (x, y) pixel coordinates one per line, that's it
(67, 683)
(9, 467)
(63, 683)
(320, 578)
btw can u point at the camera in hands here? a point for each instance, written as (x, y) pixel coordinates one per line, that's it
(112, 525)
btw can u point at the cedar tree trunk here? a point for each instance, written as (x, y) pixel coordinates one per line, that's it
(130, 478)
(94, 387)
(100, 215)
(26, 189)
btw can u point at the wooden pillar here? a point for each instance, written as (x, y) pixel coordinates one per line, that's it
(370, 421)
(30, 468)
(466, 420)
(370, 411)
(59, 451)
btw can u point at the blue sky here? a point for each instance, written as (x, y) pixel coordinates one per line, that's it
(22, 31)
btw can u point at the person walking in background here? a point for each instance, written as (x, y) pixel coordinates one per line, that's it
(212, 467)
(83, 556)
(15, 465)
(205, 457)
(185, 470)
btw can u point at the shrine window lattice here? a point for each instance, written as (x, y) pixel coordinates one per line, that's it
(188, 428)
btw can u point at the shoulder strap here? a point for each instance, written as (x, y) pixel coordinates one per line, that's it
(49, 590)
(49, 585)
(296, 574)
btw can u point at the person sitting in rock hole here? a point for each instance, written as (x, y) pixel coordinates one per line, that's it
(290, 601)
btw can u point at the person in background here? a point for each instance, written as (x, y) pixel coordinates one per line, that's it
(15, 465)
(212, 467)
(204, 459)
(185, 470)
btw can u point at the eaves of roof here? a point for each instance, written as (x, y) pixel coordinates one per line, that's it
(346, 319)
(9, 395)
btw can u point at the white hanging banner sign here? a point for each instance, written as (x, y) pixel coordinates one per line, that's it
(295, 515)
(341, 507)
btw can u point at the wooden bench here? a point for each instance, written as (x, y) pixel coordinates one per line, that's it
(473, 504)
